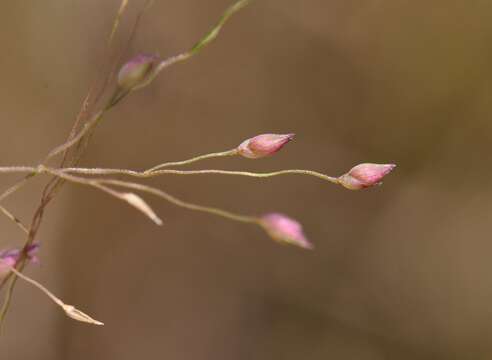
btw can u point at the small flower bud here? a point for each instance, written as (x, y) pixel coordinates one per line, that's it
(365, 175)
(9, 258)
(263, 145)
(136, 71)
(285, 230)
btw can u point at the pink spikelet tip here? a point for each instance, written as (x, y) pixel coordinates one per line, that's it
(285, 230)
(9, 258)
(136, 71)
(365, 175)
(263, 145)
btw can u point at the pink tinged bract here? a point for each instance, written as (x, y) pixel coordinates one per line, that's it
(263, 145)
(365, 175)
(285, 230)
(136, 71)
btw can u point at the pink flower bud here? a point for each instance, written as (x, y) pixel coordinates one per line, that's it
(9, 258)
(136, 71)
(263, 145)
(365, 175)
(285, 230)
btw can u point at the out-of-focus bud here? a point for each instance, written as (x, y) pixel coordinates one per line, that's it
(9, 258)
(136, 71)
(263, 145)
(285, 230)
(365, 175)
(5, 265)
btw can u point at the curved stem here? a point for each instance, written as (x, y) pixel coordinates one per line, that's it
(157, 192)
(153, 173)
(14, 219)
(101, 185)
(232, 152)
(75, 139)
(69, 309)
(200, 44)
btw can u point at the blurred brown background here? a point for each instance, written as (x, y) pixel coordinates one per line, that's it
(402, 271)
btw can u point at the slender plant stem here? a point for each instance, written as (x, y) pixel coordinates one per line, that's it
(100, 184)
(232, 152)
(154, 173)
(199, 45)
(10, 291)
(69, 309)
(14, 219)
(19, 184)
(74, 138)
(159, 193)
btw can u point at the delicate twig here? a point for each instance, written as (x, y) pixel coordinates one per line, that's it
(15, 187)
(151, 190)
(69, 310)
(79, 139)
(15, 169)
(209, 37)
(232, 152)
(14, 219)
(130, 198)
(75, 139)
(116, 23)
(7, 213)
(8, 297)
(100, 184)
(195, 49)
(148, 174)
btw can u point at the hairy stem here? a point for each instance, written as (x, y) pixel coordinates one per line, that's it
(154, 173)
(232, 152)
(100, 184)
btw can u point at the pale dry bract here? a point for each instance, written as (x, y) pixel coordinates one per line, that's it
(136, 73)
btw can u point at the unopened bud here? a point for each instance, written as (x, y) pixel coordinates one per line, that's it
(263, 145)
(365, 175)
(136, 71)
(285, 230)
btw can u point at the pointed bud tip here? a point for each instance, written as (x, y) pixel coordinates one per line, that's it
(139, 203)
(365, 175)
(263, 145)
(285, 230)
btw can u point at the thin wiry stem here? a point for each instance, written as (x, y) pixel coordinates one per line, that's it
(15, 169)
(6, 212)
(100, 184)
(68, 309)
(75, 139)
(10, 291)
(163, 195)
(14, 219)
(16, 186)
(199, 45)
(232, 152)
(154, 173)
(116, 23)
(131, 199)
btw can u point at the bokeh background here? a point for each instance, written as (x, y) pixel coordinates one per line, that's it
(401, 271)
